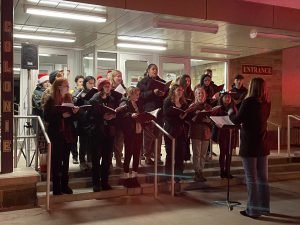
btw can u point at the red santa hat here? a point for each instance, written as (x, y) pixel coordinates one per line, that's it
(99, 77)
(101, 82)
(42, 77)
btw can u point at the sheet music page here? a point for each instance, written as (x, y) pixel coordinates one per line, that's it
(154, 112)
(120, 89)
(67, 104)
(220, 121)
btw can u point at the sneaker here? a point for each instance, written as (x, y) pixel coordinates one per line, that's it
(67, 190)
(149, 161)
(83, 166)
(75, 161)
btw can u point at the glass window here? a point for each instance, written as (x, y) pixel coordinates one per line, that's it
(106, 61)
(88, 64)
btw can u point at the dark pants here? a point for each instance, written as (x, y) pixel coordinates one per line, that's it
(256, 172)
(133, 145)
(84, 148)
(180, 145)
(101, 150)
(74, 150)
(225, 149)
(59, 164)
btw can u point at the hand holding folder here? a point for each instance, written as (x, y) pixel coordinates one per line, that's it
(69, 107)
(161, 86)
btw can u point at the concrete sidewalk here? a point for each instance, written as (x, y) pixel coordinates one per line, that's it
(193, 207)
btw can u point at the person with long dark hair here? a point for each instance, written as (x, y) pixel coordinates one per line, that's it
(151, 99)
(185, 82)
(84, 125)
(254, 150)
(223, 135)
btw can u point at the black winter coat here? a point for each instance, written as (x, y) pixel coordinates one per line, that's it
(253, 116)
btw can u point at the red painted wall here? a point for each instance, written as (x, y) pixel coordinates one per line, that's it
(291, 77)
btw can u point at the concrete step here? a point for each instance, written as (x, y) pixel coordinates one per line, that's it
(87, 193)
(85, 182)
(144, 169)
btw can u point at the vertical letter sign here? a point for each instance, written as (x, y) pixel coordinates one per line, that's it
(7, 80)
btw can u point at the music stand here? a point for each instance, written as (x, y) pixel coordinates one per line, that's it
(230, 127)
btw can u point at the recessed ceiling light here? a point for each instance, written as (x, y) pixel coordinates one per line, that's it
(46, 55)
(220, 51)
(44, 37)
(100, 59)
(141, 39)
(179, 25)
(66, 14)
(142, 46)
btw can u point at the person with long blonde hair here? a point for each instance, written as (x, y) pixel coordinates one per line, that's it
(254, 150)
(60, 135)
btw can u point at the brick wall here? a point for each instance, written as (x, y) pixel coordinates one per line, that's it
(274, 81)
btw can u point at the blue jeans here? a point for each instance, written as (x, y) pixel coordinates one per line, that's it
(256, 172)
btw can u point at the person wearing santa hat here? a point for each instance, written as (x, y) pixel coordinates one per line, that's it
(43, 84)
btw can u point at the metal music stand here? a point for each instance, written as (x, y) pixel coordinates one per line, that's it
(227, 202)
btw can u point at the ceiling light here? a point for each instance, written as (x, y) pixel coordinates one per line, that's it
(196, 60)
(178, 25)
(18, 46)
(66, 14)
(20, 27)
(44, 37)
(16, 69)
(141, 39)
(256, 34)
(102, 59)
(220, 51)
(46, 55)
(142, 46)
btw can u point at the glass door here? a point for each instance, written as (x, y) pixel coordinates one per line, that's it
(173, 67)
(133, 67)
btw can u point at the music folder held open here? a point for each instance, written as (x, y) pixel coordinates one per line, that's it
(156, 84)
(223, 121)
(68, 107)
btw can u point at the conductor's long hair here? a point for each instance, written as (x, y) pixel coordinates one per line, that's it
(258, 89)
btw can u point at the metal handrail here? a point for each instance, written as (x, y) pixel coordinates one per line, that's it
(173, 160)
(278, 134)
(296, 117)
(42, 127)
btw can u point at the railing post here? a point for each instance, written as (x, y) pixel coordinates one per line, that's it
(278, 137)
(16, 142)
(288, 136)
(37, 152)
(173, 168)
(155, 169)
(48, 176)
